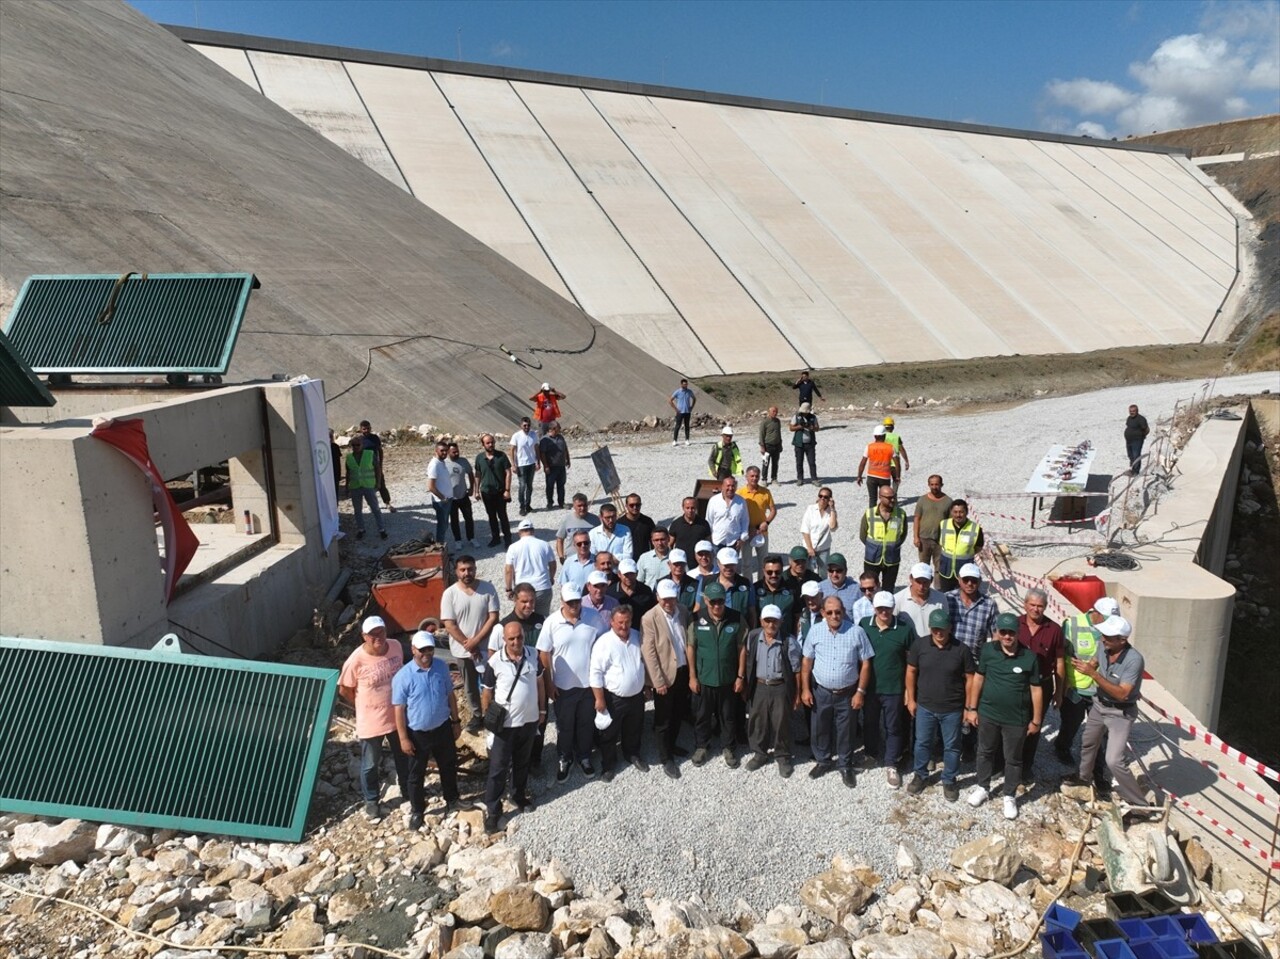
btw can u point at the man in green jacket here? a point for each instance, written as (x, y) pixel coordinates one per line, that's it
(713, 649)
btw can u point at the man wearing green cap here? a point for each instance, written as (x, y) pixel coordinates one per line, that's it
(713, 650)
(1006, 700)
(837, 584)
(798, 572)
(939, 672)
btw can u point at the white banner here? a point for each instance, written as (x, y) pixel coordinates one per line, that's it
(321, 457)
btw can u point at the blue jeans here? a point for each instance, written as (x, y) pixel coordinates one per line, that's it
(832, 713)
(358, 498)
(442, 508)
(930, 724)
(371, 766)
(1133, 449)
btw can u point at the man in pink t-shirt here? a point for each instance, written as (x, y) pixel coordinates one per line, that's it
(365, 682)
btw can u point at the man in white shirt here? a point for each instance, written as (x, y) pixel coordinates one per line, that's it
(469, 609)
(727, 516)
(514, 678)
(597, 605)
(611, 536)
(440, 490)
(524, 457)
(662, 646)
(918, 599)
(617, 684)
(565, 649)
(530, 560)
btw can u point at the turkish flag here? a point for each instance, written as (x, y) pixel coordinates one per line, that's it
(180, 544)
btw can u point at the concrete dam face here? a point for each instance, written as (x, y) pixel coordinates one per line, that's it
(724, 235)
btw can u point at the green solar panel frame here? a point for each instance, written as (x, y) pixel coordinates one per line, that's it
(167, 323)
(161, 739)
(18, 384)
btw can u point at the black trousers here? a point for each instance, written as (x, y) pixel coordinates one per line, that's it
(711, 706)
(681, 418)
(873, 488)
(428, 744)
(555, 485)
(769, 726)
(495, 505)
(769, 464)
(1007, 739)
(461, 506)
(508, 756)
(809, 452)
(669, 712)
(624, 731)
(575, 723)
(1033, 739)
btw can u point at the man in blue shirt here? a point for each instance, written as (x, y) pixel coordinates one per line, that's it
(834, 677)
(427, 722)
(682, 401)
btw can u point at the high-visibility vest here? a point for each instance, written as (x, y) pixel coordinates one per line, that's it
(884, 537)
(717, 466)
(879, 460)
(893, 439)
(362, 474)
(546, 407)
(957, 546)
(1083, 638)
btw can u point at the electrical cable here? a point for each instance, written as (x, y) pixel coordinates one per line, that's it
(201, 635)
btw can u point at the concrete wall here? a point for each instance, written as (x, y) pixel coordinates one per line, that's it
(78, 556)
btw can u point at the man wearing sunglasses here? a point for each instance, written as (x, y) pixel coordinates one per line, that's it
(427, 723)
(835, 675)
(564, 647)
(973, 621)
(882, 532)
(839, 585)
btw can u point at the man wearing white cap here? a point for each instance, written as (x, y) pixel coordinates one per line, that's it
(629, 591)
(973, 623)
(666, 664)
(770, 660)
(652, 564)
(1081, 639)
(546, 407)
(597, 605)
(918, 599)
(427, 723)
(883, 713)
(727, 516)
(1117, 670)
(565, 646)
(617, 685)
(690, 588)
(738, 594)
(760, 513)
(879, 465)
(530, 560)
(365, 683)
(725, 459)
(705, 569)
(804, 440)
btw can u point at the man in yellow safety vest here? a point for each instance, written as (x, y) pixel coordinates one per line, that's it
(894, 439)
(362, 485)
(1082, 643)
(882, 531)
(959, 541)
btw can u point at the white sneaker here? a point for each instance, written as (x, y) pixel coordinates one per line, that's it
(1010, 808)
(686, 442)
(977, 796)
(673, 442)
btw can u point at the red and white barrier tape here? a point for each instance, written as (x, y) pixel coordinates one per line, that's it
(1056, 610)
(1211, 740)
(1264, 854)
(970, 495)
(1086, 521)
(1270, 803)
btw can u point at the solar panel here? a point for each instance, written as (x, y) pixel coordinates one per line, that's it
(162, 739)
(18, 385)
(137, 323)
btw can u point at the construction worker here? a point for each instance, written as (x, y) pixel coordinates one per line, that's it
(959, 541)
(882, 532)
(894, 439)
(1082, 642)
(546, 407)
(880, 465)
(725, 459)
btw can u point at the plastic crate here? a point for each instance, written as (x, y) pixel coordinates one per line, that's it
(1165, 927)
(1146, 949)
(1237, 949)
(1194, 928)
(1160, 904)
(1112, 949)
(1091, 931)
(1060, 917)
(1174, 948)
(1063, 945)
(1127, 905)
(1135, 930)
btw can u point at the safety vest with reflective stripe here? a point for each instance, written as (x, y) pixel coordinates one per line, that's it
(957, 546)
(884, 537)
(1083, 638)
(893, 439)
(880, 459)
(362, 474)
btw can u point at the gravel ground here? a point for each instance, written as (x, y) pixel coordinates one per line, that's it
(729, 833)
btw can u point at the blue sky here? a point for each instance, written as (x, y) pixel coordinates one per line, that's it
(1100, 67)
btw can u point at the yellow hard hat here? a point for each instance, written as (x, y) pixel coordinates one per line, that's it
(888, 421)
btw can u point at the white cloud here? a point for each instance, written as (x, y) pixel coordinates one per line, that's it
(501, 49)
(1087, 128)
(1188, 80)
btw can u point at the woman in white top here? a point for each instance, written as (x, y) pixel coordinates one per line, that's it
(816, 526)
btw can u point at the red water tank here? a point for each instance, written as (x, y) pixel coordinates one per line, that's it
(1082, 590)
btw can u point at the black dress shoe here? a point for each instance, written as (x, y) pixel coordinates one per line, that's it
(493, 542)
(849, 778)
(819, 770)
(671, 769)
(607, 775)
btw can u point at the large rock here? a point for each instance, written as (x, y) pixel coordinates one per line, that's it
(495, 866)
(668, 918)
(991, 857)
(835, 894)
(119, 840)
(907, 859)
(472, 906)
(423, 855)
(972, 938)
(777, 941)
(598, 946)
(346, 904)
(830, 949)
(994, 900)
(917, 944)
(520, 907)
(620, 931)
(526, 945)
(49, 844)
(904, 903)
(302, 931)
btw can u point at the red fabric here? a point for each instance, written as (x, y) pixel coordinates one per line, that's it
(1083, 591)
(180, 544)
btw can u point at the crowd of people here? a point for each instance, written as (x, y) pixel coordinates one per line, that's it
(778, 650)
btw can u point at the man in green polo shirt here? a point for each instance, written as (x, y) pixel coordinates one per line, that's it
(1008, 702)
(714, 650)
(883, 713)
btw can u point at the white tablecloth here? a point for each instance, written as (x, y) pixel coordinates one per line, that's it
(1051, 476)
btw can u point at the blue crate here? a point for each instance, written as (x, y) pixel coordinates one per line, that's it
(1060, 918)
(1146, 949)
(1135, 930)
(1112, 949)
(1174, 948)
(1194, 928)
(1063, 945)
(1164, 927)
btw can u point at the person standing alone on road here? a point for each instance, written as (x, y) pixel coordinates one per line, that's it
(804, 439)
(770, 446)
(1135, 434)
(682, 401)
(362, 486)
(546, 407)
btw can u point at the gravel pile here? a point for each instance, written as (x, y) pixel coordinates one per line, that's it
(730, 834)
